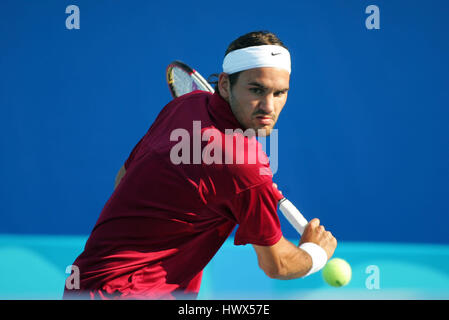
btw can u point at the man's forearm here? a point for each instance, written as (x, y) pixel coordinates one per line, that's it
(295, 263)
(283, 260)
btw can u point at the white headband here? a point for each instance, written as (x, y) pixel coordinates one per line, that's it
(257, 57)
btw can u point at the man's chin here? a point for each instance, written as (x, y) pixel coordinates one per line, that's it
(264, 131)
(259, 131)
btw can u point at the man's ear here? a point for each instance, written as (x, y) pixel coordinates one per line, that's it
(224, 86)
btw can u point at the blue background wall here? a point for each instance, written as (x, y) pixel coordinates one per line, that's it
(364, 138)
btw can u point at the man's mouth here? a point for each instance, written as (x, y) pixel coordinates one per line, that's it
(264, 119)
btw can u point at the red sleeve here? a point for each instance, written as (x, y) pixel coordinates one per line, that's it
(255, 210)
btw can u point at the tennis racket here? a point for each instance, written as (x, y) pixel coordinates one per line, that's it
(183, 79)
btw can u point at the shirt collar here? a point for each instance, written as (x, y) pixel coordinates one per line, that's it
(221, 113)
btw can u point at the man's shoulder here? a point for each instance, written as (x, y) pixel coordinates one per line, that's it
(242, 161)
(248, 175)
(189, 107)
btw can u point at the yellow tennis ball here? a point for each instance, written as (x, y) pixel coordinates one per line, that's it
(337, 272)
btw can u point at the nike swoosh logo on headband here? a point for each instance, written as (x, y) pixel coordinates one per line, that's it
(275, 54)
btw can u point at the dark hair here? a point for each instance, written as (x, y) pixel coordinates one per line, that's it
(254, 38)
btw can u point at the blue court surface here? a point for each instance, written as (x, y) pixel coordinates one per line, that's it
(33, 267)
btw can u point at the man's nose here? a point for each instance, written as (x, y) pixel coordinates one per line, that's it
(267, 104)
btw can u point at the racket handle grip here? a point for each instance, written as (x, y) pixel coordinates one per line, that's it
(293, 215)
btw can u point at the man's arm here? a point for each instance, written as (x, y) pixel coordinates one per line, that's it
(284, 260)
(119, 176)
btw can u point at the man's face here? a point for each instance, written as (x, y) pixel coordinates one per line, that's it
(258, 97)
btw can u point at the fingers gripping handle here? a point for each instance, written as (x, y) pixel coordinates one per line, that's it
(296, 219)
(293, 215)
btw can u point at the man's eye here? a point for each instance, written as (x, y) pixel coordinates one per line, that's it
(279, 93)
(256, 90)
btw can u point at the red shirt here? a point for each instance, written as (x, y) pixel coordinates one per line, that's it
(164, 222)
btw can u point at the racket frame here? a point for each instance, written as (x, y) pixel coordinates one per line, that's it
(190, 71)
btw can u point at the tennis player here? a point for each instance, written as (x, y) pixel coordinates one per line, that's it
(165, 221)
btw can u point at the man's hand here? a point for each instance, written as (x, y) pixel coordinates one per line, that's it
(314, 232)
(276, 187)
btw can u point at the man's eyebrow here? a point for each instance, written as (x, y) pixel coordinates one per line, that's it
(256, 84)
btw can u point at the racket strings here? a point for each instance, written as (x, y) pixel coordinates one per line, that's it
(184, 82)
